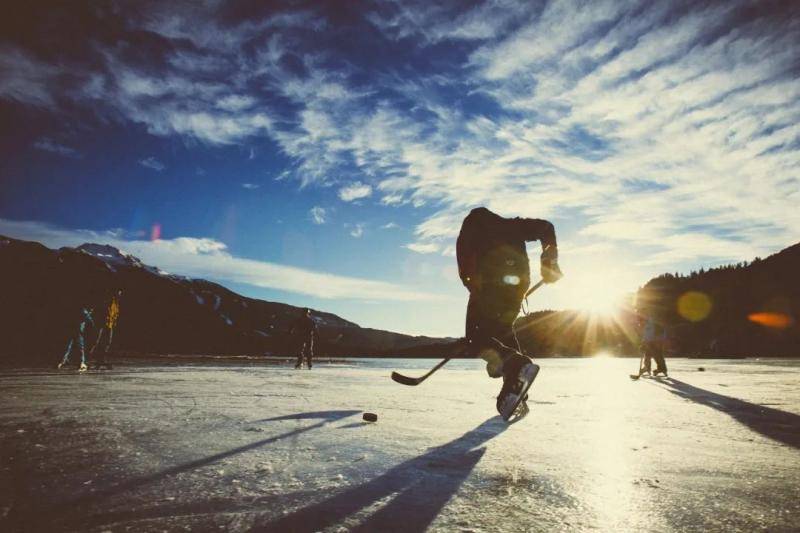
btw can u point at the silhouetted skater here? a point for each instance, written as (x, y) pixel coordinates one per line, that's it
(85, 320)
(109, 324)
(304, 332)
(654, 340)
(493, 266)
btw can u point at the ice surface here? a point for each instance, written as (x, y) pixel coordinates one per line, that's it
(274, 449)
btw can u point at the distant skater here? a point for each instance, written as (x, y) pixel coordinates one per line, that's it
(654, 339)
(304, 332)
(109, 324)
(85, 320)
(493, 265)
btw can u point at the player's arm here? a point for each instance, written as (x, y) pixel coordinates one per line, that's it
(537, 229)
(467, 263)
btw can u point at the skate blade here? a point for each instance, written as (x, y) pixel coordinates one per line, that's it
(528, 375)
(520, 412)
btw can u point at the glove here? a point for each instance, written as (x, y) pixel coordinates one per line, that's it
(549, 265)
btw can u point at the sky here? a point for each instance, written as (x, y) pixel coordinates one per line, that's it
(323, 154)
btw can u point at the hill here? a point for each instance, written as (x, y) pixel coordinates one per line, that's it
(160, 312)
(747, 309)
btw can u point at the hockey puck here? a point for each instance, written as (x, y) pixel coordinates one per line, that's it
(370, 417)
(701, 369)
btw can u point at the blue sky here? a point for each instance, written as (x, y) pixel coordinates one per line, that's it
(324, 154)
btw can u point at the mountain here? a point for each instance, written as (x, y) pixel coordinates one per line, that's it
(161, 313)
(747, 309)
(744, 310)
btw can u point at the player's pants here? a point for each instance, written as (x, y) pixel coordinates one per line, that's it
(79, 338)
(490, 329)
(653, 351)
(305, 351)
(104, 353)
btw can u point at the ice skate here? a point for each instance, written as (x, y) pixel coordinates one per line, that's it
(518, 375)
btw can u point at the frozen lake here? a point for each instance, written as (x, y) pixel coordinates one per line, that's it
(246, 448)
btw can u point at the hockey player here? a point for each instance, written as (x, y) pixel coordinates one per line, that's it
(493, 266)
(85, 320)
(108, 327)
(304, 332)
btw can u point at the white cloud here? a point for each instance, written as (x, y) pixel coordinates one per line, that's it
(48, 145)
(25, 79)
(355, 191)
(251, 186)
(357, 230)
(209, 258)
(235, 102)
(635, 123)
(390, 225)
(704, 124)
(423, 248)
(319, 215)
(152, 163)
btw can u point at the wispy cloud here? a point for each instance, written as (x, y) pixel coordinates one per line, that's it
(355, 191)
(26, 79)
(250, 186)
(319, 215)
(152, 163)
(209, 258)
(390, 225)
(235, 102)
(48, 145)
(636, 123)
(356, 230)
(423, 248)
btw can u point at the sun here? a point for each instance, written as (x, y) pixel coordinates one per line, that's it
(602, 299)
(597, 290)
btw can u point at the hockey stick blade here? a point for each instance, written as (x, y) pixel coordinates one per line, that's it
(413, 382)
(405, 380)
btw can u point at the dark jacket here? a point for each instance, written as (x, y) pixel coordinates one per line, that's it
(303, 327)
(491, 250)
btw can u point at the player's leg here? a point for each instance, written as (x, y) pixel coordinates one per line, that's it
(96, 342)
(65, 359)
(83, 366)
(96, 356)
(481, 328)
(106, 361)
(299, 347)
(661, 364)
(490, 327)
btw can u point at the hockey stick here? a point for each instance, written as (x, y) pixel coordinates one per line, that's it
(637, 376)
(641, 363)
(413, 382)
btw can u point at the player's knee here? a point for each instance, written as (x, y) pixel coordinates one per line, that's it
(494, 362)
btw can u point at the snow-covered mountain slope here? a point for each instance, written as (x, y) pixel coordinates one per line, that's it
(160, 313)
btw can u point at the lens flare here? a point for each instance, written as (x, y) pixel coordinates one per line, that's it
(155, 232)
(694, 306)
(771, 320)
